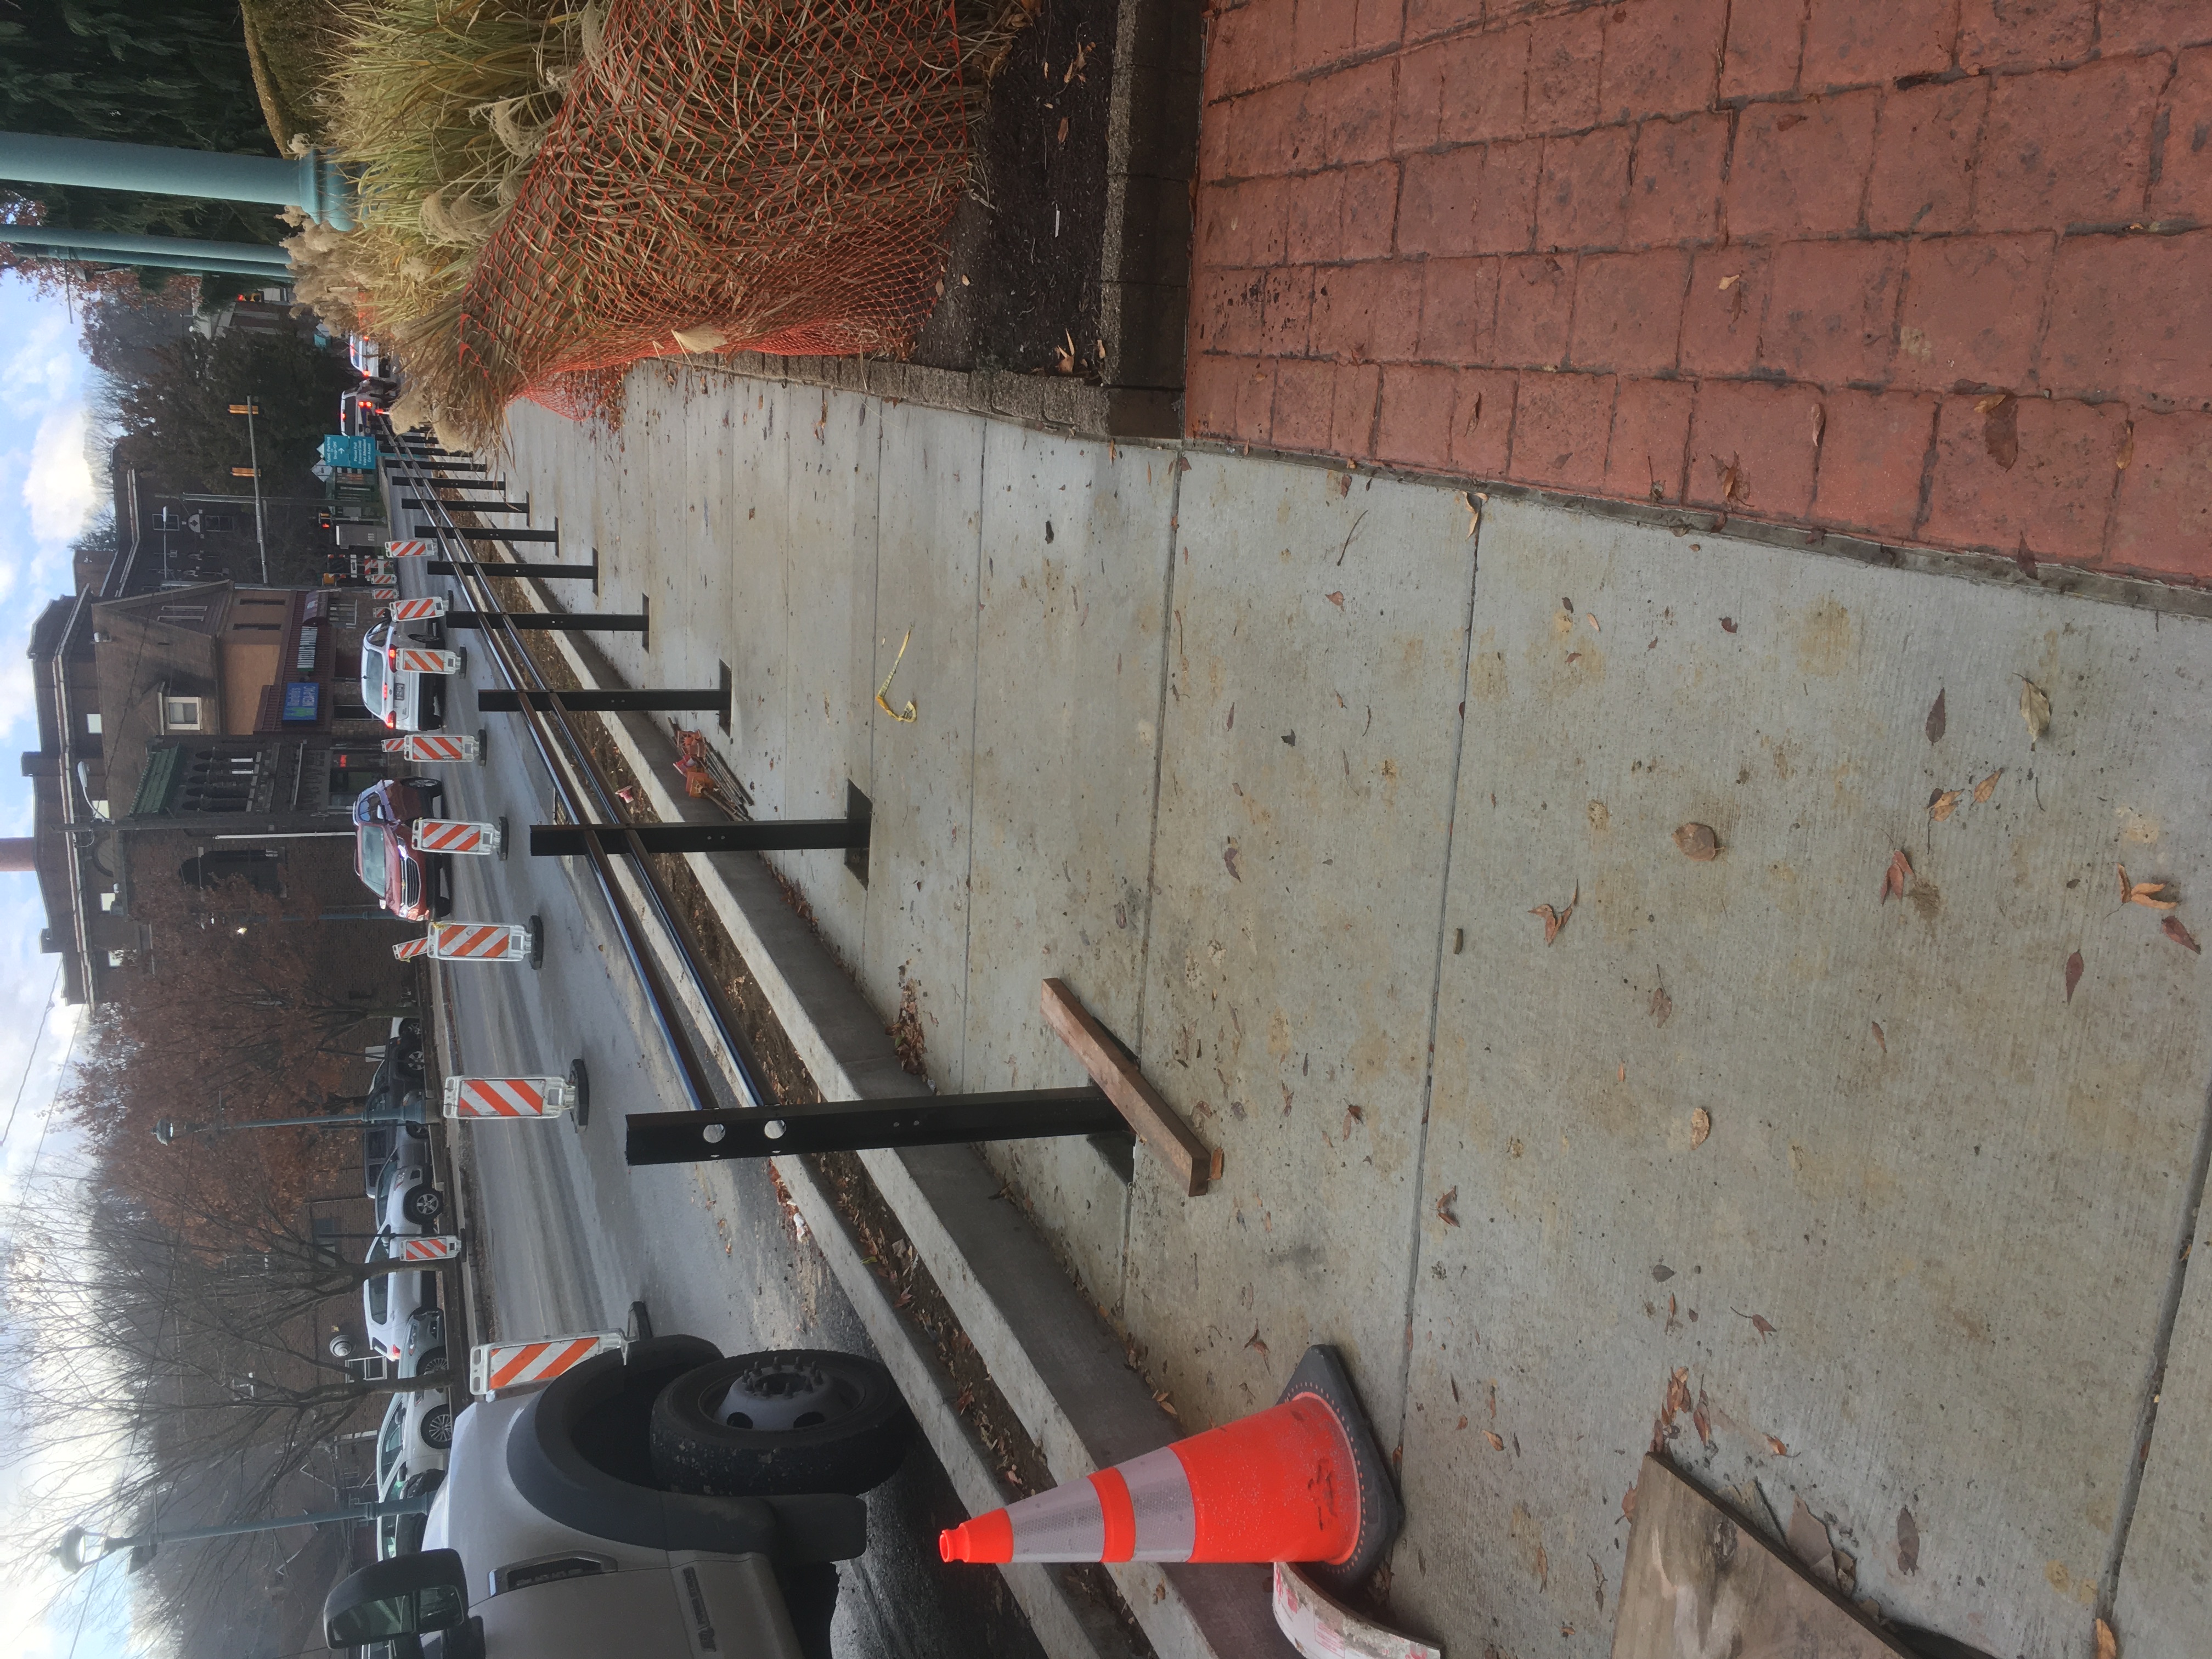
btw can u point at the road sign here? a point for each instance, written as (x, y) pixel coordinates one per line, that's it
(436, 746)
(508, 1096)
(430, 1247)
(418, 610)
(497, 1365)
(408, 550)
(484, 941)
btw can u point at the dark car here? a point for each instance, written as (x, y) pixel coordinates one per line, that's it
(398, 1075)
(413, 885)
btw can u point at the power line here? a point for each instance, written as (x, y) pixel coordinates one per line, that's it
(24, 1080)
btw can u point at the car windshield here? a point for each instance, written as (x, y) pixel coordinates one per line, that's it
(368, 858)
(393, 1440)
(376, 1292)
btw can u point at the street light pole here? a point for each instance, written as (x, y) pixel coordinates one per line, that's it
(79, 1549)
(253, 449)
(167, 1129)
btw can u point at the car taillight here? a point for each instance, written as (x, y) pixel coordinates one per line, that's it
(391, 719)
(391, 656)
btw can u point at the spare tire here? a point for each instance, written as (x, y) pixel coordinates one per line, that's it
(769, 1425)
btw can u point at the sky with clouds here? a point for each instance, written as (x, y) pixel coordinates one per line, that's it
(50, 491)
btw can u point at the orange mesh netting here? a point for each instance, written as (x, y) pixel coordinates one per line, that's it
(773, 175)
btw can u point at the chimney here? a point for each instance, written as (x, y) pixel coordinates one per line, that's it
(18, 853)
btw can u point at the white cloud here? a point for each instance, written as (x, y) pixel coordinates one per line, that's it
(58, 488)
(46, 367)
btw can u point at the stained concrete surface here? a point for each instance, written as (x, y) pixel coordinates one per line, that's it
(1959, 1235)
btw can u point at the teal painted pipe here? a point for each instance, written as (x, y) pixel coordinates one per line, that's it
(314, 183)
(261, 274)
(214, 256)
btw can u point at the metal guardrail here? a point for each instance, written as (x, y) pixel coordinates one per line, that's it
(583, 790)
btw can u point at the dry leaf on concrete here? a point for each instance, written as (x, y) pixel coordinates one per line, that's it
(2073, 973)
(1776, 1447)
(1727, 624)
(1497, 1441)
(1555, 919)
(1701, 1125)
(1628, 1503)
(1662, 1005)
(1881, 1041)
(1987, 786)
(1893, 879)
(1445, 1214)
(2126, 884)
(2001, 428)
(1702, 1424)
(1729, 281)
(1336, 600)
(2108, 1645)
(1908, 1542)
(1697, 842)
(2173, 929)
(2035, 709)
(1229, 855)
(1936, 720)
(1591, 618)
(1945, 803)
(2153, 895)
(1254, 1342)
(1678, 1392)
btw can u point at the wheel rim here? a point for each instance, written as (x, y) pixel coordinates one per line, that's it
(438, 1427)
(778, 1397)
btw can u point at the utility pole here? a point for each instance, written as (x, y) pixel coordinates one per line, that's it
(250, 408)
(79, 1549)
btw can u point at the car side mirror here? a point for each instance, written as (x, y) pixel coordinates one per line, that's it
(408, 1596)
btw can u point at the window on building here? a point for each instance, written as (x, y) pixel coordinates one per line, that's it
(180, 714)
(92, 724)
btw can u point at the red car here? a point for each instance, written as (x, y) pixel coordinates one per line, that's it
(413, 886)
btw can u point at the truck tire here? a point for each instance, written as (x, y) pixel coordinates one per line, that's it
(769, 1425)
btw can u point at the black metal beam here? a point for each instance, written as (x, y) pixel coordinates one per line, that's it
(701, 700)
(554, 621)
(589, 573)
(779, 835)
(853, 1126)
(434, 463)
(464, 505)
(495, 534)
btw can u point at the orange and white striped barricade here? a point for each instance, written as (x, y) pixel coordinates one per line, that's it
(438, 748)
(427, 610)
(410, 550)
(487, 941)
(408, 949)
(497, 1365)
(460, 836)
(380, 573)
(430, 1247)
(512, 1097)
(423, 659)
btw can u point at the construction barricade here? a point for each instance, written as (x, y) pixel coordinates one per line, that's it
(410, 550)
(430, 1247)
(438, 748)
(512, 1097)
(408, 949)
(460, 836)
(497, 1365)
(486, 941)
(427, 610)
(423, 659)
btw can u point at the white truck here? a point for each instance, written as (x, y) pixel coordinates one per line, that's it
(663, 1503)
(404, 665)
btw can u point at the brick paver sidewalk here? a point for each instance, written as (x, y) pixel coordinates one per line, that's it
(1777, 257)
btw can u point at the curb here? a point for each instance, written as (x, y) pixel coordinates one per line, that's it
(1060, 1369)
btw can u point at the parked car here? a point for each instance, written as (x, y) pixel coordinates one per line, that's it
(399, 1076)
(413, 885)
(408, 1204)
(407, 699)
(410, 1460)
(392, 1306)
(661, 1504)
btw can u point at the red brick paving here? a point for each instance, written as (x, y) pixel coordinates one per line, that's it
(1775, 258)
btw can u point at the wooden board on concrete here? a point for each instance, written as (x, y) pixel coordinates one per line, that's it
(1112, 1069)
(1698, 1585)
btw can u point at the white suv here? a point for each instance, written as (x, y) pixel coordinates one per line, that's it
(665, 1504)
(407, 698)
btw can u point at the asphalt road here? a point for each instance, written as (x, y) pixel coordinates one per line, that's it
(570, 1235)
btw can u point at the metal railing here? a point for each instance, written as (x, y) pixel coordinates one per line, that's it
(584, 791)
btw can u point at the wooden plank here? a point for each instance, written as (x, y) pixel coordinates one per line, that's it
(1699, 1584)
(1114, 1069)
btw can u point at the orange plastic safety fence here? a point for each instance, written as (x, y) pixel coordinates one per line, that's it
(773, 175)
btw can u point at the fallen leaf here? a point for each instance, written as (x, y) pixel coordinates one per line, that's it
(2001, 428)
(1336, 600)
(1732, 487)
(1623, 1076)
(2035, 709)
(1553, 921)
(2173, 929)
(1463, 1422)
(1758, 1323)
(1945, 804)
(2126, 884)
(1908, 1542)
(1662, 1272)
(2127, 453)
(2073, 973)
(1893, 879)
(1776, 1447)
(1592, 621)
(1697, 842)
(1254, 1342)
(2108, 1645)
(1701, 1125)
(2153, 895)
(1678, 1392)
(1727, 624)
(1466, 498)
(1662, 1005)
(1882, 1041)
(1229, 857)
(1703, 1426)
(1496, 1442)
(1935, 720)
(1728, 282)
(1987, 786)
(1445, 1214)
(1628, 1503)
(1064, 355)
(1063, 129)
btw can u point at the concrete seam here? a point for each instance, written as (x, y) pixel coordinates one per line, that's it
(1436, 1003)
(2169, 1315)
(1153, 839)
(974, 708)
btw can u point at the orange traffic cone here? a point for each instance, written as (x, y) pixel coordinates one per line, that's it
(1301, 1481)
